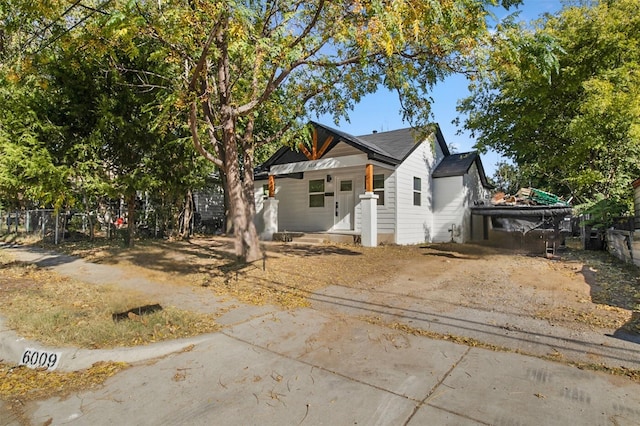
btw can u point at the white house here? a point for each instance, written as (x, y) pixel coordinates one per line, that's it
(400, 187)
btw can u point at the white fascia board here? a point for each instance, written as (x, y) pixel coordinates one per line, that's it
(326, 164)
(321, 164)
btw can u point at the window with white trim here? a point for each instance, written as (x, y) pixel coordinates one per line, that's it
(316, 193)
(417, 191)
(378, 188)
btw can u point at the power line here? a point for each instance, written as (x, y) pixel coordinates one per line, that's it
(67, 31)
(77, 3)
(42, 32)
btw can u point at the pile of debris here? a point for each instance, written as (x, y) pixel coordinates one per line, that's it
(528, 197)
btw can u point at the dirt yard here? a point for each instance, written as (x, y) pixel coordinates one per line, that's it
(581, 290)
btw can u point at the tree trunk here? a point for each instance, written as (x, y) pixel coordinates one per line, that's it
(247, 245)
(227, 224)
(187, 216)
(91, 225)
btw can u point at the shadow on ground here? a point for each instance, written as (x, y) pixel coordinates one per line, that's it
(605, 276)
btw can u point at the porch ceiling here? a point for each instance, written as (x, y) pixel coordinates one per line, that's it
(323, 164)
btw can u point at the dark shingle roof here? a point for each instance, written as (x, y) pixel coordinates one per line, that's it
(387, 147)
(459, 164)
(374, 151)
(398, 143)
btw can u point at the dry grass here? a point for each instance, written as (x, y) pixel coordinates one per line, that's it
(22, 383)
(59, 311)
(285, 277)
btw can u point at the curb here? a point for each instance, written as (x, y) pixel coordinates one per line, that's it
(12, 347)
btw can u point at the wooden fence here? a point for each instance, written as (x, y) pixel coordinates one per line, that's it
(625, 245)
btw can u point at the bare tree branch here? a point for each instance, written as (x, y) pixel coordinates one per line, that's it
(193, 125)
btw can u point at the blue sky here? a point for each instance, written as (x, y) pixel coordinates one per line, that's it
(380, 111)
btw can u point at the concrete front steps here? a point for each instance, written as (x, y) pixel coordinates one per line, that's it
(317, 238)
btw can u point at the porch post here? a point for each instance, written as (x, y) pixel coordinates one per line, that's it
(272, 186)
(270, 212)
(368, 178)
(369, 200)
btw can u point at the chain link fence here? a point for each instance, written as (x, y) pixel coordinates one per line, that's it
(46, 224)
(54, 228)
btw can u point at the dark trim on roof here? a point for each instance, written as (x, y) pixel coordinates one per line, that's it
(401, 143)
(459, 164)
(441, 141)
(373, 152)
(395, 153)
(264, 175)
(483, 175)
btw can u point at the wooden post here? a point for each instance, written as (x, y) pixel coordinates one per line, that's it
(272, 186)
(368, 178)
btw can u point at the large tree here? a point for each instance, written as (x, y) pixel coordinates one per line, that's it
(576, 130)
(77, 125)
(245, 61)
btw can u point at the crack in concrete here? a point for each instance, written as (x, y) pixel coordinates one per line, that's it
(319, 367)
(433, 390)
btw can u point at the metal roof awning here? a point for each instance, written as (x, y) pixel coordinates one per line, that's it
(522, 211)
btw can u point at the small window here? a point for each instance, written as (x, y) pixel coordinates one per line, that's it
(417, 191)
(346, 186)
(316, 193)
(265, 190)
(316, 200)
(316, 185)
(378, 188)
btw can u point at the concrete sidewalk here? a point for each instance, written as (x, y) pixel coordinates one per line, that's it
(315, 366)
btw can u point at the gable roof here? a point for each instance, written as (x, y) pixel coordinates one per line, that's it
(387, 147)
(400, 143)
(459, 164)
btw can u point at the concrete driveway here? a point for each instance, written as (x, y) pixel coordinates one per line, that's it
(330, 364)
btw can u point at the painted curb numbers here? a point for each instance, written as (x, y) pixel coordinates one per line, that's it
(36, 358)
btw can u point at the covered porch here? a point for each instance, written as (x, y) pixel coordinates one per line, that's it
(309, 191)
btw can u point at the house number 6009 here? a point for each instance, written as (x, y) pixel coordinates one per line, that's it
(40, 359)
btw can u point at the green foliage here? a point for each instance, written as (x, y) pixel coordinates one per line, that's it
(602, 212)
(27, 172)
(575, 122)
(506, 178)
(79, 126)
(247, 74)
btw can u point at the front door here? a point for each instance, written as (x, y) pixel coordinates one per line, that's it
(344, 205)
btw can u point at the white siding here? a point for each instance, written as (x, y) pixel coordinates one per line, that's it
(294, 213)
(386, 212)
(414, 224)
(434, 144)
(473, 191)
(453, 197)
(441, 199)
(341, 150)
(259, 198)
(448, 200)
